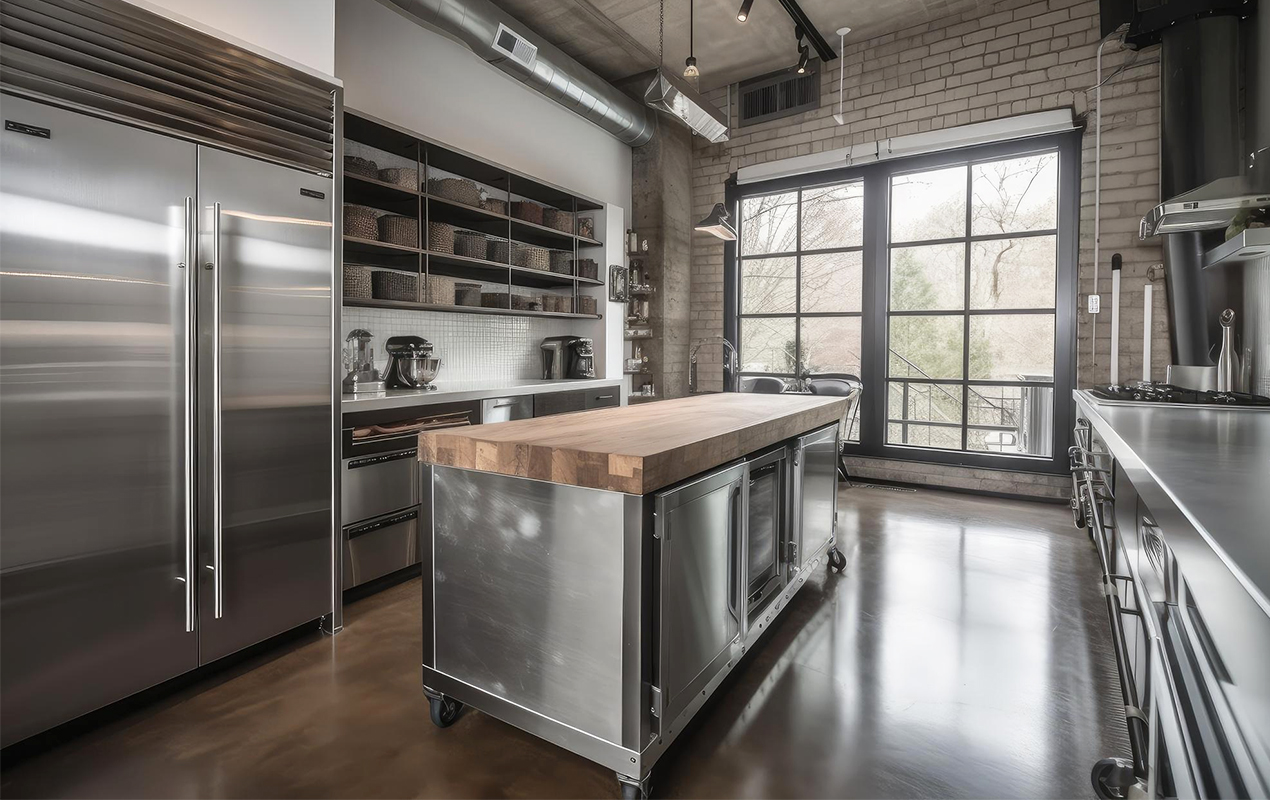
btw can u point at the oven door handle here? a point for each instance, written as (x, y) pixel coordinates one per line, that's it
(738, 545)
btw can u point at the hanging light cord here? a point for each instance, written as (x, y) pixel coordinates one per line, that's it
(661, 36)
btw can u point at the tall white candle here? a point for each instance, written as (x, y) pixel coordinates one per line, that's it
(1146, 333)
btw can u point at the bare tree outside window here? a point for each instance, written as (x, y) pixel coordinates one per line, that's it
(956, 363)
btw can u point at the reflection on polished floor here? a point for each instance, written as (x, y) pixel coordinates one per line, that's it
(963, 654)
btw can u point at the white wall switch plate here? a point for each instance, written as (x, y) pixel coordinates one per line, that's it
(1095, 303)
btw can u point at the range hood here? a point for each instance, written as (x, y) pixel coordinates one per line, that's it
(670, 93)
(1213, 205)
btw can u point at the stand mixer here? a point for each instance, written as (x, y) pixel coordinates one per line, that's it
(359, 361)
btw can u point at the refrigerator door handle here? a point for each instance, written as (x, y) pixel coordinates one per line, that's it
(218, 594)
(191, 519)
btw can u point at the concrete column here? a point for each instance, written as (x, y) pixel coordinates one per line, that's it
(661, 212)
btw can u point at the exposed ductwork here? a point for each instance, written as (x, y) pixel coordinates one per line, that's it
(509, 45)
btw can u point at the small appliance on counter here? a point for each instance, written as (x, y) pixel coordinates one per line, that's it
(581, 358)
(567, 357)
(359, 360)
(411, 364)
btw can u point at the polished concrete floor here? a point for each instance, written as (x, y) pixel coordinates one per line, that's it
(963, 654)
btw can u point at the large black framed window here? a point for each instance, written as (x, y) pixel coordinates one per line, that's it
(963, 264)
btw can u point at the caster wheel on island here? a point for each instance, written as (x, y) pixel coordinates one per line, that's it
(837, 561)
(1113, 778)
(633, 789)
(445, 710)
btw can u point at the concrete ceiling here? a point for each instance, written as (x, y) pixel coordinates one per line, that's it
(618, 38)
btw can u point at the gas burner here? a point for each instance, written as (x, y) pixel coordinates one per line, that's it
(1152, 392)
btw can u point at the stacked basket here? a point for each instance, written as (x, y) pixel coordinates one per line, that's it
(560, 220)
(357, 281)
(527, 255)
(460, 190)
(527, 211)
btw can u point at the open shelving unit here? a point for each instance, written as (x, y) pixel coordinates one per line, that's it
(430, 159)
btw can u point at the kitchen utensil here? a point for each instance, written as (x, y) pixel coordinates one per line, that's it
(1227, 359)
(411, 364)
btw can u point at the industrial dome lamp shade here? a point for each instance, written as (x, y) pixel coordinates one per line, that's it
(744, 13)
(718, 223)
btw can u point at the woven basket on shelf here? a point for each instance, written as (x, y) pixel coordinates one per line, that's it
(441, 237)
(396, 229)
(561, 262)
(439, 290)
(497, 250)
(526, 255)
(587, 268)
(357, 281)
(467, 294)
(389, 284)
(565, 304)
(560, 220)
(360, 166)
(525, 302)
(405, 177)
(551, 302)
(495, 205)
(360, 221)
(529, 212)
(460, 190)
(586, 227)
(586, 304)
(494, 299)
(470, 244)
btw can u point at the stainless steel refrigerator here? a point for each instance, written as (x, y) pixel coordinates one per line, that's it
(166, 430)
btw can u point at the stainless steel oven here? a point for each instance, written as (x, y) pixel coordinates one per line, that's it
(768, 539)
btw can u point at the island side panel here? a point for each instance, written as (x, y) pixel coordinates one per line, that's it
(527, 599)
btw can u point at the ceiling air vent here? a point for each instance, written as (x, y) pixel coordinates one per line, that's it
(515, 46)
(780, 94)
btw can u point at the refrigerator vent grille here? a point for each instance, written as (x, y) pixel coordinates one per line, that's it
(132, 64)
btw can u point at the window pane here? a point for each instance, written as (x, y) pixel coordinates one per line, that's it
(924, 436)
(1013, 273)
(1012, 346)
(767, 286)
(929, 278)
(924, 402)
(925, 347)
(833, 282)
(833, 216)
(831, 344)
(767, 345)
(769, 224)
(1014, 420)
(1018, 194)
(928, 205)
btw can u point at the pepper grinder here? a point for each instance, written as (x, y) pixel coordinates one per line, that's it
(1228, 359)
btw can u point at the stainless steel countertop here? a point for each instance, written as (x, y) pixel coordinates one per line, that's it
(451, 391)
(1212, 465)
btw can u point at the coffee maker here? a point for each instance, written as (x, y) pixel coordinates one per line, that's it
(567, 357)
(581, 358)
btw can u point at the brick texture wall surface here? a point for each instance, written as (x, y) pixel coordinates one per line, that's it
(1018, 57)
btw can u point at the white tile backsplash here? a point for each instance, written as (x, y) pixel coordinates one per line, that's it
(472, 347)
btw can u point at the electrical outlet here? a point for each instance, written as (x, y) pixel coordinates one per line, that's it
(1095, 303)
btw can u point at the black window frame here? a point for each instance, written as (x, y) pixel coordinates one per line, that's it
(876, 302)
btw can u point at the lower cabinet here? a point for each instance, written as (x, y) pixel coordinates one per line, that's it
(563, 402)
(699, 528)
(815, 490)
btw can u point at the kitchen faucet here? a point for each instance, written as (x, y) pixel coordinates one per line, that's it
(733, 366)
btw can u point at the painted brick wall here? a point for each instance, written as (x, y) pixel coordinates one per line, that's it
(1020, 56)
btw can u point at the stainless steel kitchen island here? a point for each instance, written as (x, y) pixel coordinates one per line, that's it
(593, 577)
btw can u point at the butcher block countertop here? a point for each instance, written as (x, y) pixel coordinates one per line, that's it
(634, 449)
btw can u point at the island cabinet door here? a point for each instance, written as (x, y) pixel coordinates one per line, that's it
(815, 490)
(701, 534)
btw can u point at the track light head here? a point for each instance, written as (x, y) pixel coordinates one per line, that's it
(744, 13)
(804, 55)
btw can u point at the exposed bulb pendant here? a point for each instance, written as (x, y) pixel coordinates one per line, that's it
(690, 63)
(842, 51)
